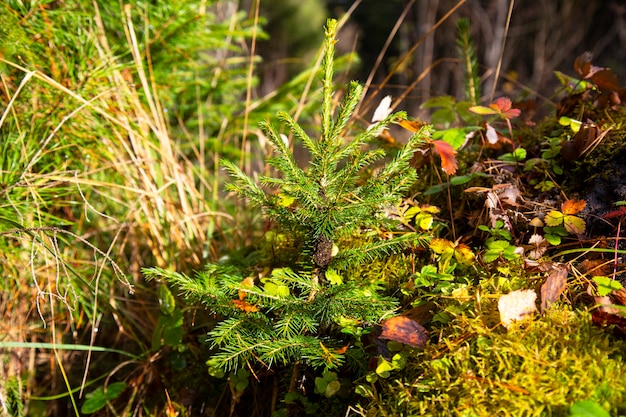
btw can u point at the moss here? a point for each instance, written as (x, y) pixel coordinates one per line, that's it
(540, 367)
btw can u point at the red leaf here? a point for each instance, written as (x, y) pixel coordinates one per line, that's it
(505, 108)
(554, 286)
(404, 330)
(446, 152)
(615, 213)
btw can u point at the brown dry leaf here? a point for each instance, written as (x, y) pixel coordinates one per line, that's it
(596, 267)
(554, 286)
(620, 296)
(404, 330)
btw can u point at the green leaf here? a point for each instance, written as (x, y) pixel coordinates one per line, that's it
(333, 277)
(214, 368)
(239, 380)
(554, 240)
(173, 329)
(607, 285)
(399, 361)
(384, 368)
(328, 384)
(517, 155)
(167, 303)
(462, 179)
(168, 330)
(572, 123)
(275, 288)
(443, 117)
(364, 391)
(587, 408)
(554, 218)
(491, 255)
(455, 136)
(99, 397)
(439, 101)
(499, 245)
(424, 221)
(332, 388)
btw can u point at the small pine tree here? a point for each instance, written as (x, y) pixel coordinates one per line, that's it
(295, 313)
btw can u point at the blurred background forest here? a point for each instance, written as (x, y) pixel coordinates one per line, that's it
(543, 36)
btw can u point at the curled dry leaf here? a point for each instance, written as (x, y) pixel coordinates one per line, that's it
(554, 286)
(404, 330)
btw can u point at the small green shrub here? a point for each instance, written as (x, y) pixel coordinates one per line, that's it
(307, 309)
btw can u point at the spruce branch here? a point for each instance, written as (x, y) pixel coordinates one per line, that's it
(368, 252)
(311, 145)
(348, 104)
(327, 80)
(244, 186)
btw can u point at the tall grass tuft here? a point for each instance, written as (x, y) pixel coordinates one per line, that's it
(114, 118)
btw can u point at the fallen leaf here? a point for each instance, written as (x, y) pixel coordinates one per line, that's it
(404, 330)
(246, 284)
(595, 267)
(510, 195)
(554, 286)
(516, 305)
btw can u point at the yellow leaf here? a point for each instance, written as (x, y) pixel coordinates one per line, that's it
(574, 225)
(441, 245)
(285, 200)
(554, 218)
(430, 209)
(464, 254)
(425, 221)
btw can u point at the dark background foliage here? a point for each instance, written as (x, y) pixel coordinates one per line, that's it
(544, 36)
